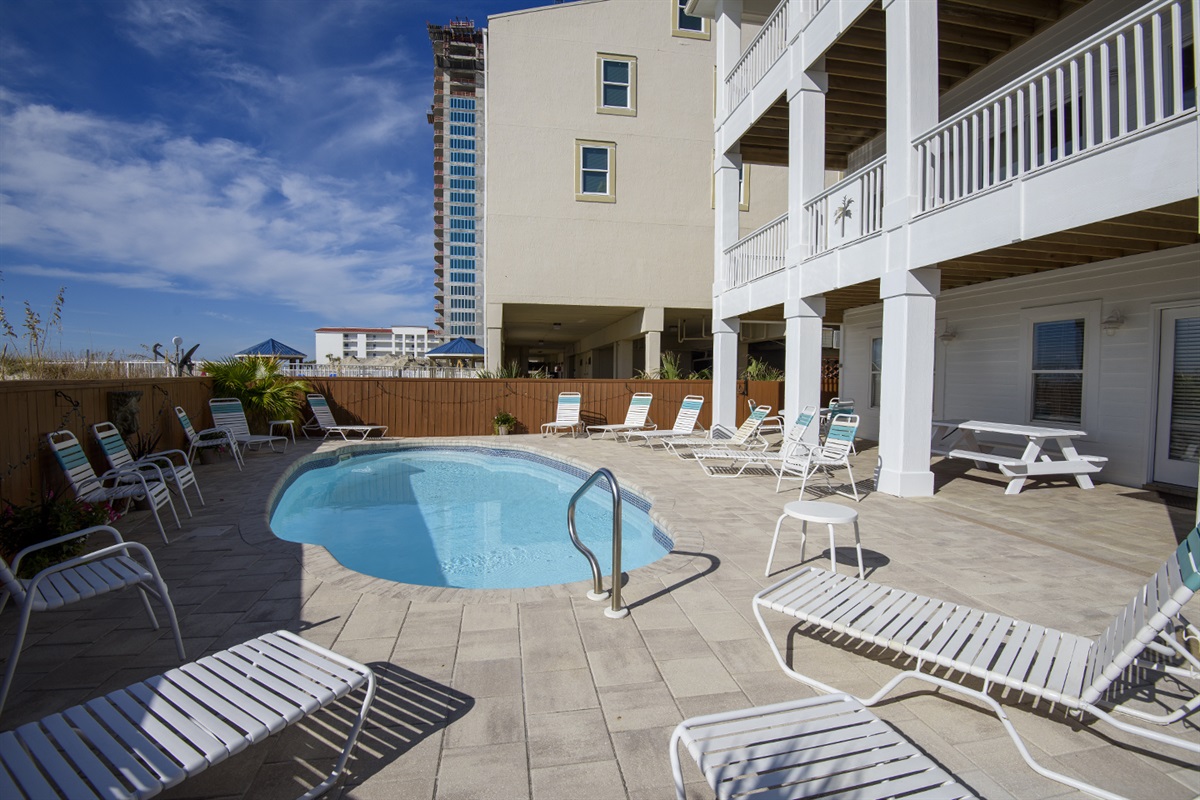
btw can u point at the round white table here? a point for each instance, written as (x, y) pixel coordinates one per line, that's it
(821, 513)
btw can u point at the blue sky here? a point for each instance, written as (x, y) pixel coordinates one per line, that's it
(221, 170)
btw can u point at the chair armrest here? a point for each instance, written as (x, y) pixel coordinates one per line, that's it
(65, 538)
(165, 455)
(123, 548)
(137, 469)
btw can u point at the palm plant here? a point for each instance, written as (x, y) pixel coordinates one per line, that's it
(510, 370)
(761, 371)
(266, 393)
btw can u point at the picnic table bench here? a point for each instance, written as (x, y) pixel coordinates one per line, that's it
(956, 439)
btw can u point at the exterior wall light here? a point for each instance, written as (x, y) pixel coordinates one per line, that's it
(947, 336)
(1112, 322)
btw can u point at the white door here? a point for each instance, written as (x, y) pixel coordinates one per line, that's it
(1177, 432)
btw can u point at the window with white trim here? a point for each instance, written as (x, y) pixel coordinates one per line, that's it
(1061, 359)
(687, 26)
(595, 168)
(876, 370)
(616, 84)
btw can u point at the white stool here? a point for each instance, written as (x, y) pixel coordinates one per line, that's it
(822, 513)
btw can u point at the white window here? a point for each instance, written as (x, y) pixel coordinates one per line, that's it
(616, 84)
(1061, 358)
(876, 369)
(744, 187)
(595, 170)
(685, 25)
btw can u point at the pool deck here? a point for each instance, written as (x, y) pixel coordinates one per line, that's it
(534, 693)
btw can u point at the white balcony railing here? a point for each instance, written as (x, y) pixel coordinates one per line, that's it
(758, 254)
(847, 211)
(1123, 80)
(763, 52)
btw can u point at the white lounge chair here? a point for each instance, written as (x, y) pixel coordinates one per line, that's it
(635, 418)
(120, 565)
(322, 420)
(833, 454)
(721, 437)
(567, 415)
(828, 746)
(771, 424)
(685, 423)
(209, 437)
(1073, 673)
(148, 737)
(227, 412)
(160, 464)
(116, 484)
(718, 462)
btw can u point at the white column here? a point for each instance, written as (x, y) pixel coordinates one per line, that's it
(806, 155)
(725, 371)
(494, 347)
(912, 99)
(653, 350)
(728, 30)
(725, 229)
(623, 361)
(906, 392)
(802, 369)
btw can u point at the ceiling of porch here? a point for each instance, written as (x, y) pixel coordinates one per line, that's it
(971, 34)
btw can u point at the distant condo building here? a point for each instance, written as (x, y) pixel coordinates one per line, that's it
(411, 341)
(457, 117)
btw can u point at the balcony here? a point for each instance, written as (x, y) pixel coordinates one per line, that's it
(848, 211)
(757, 255)
(1124, 80)
(760, 56)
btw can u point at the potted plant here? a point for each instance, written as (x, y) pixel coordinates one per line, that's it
(503, 422)
(48, 518)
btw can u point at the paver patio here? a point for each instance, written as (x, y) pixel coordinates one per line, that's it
(536, 694)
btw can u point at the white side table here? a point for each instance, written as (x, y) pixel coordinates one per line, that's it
(821, 513)
(288, 425)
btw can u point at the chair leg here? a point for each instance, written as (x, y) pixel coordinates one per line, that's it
(196, 486)
(164, 597)
(146, 604)
(774, 541)
(11, 669)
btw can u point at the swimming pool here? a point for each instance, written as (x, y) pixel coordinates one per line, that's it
(471, 518)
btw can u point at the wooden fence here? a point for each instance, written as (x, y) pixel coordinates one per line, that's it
(408, 406)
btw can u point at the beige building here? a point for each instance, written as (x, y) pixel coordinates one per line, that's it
(599, 210)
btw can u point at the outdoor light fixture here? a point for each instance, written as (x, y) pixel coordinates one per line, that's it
(1112, 322)
(541, 342)
(947, 335)
(557, 326)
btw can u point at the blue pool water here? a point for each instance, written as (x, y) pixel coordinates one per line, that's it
(460, 518)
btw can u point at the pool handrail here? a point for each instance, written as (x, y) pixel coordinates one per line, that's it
(616, 611)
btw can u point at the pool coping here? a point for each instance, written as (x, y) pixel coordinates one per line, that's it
(255, 529)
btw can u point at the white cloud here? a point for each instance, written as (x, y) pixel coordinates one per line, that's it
(135, 205)
(159, 26)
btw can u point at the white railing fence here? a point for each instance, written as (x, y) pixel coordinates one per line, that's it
(1129, 77)
(758, 254)
(374, 371)
(763, 52)
(847, 211)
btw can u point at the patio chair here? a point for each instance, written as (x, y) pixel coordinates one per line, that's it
(829, 746)
(116, 484)
(160, 464)
(108, 569)
(322, 420)
(837, 405)
(150, 736)
(209, 437)
(685, 423)
(834, 453)
(636, 418)
(721, 437)
(1073, 673)
(227, 412)
(771, 424)
(718, 462)
(567, 415)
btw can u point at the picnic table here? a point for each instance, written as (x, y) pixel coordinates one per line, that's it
(956, 439)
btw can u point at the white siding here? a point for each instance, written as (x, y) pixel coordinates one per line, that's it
(984, 364)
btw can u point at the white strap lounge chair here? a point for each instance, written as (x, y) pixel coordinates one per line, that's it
(209, 437)
(829, 746)
(567, 416)
(685, 423)
(719, 462)
(116, 484)
(161, 464)
(322, 420)
(145, 738)
(833, 454)
(771, 424)
(118, 566)
(1074, 673)
(721, 437)
(227, 412)
(636, 418)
